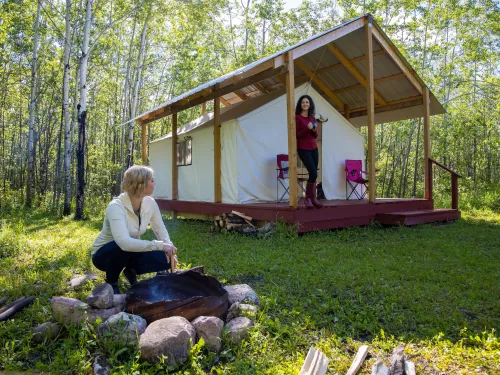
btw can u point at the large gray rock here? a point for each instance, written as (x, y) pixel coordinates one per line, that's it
(46, 330)
(172, 337)
(68, 310)
(78, 281)
(238, 329)
(241, 309)
(122, 327)
(242, 293)
(210, 329)
(104, 314)
(120, 301)
(101, 297)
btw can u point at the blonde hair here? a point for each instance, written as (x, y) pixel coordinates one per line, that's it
(136, 179)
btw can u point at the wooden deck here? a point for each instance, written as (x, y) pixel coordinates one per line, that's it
(335, 213)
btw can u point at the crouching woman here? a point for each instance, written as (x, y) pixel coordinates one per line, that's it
(119, 247)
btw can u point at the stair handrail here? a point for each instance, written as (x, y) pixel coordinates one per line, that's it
(454, 182)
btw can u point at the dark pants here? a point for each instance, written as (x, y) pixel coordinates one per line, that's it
(310, 159)
(112, 260)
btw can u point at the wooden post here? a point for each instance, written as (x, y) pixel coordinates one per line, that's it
(427, 145)
(292, 134)
(204, 108)
(175, 174)
(144, 144)
(429, 166)
(217, 161)
(454, 191)
(370, 94)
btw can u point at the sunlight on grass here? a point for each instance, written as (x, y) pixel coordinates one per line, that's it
(433, 288)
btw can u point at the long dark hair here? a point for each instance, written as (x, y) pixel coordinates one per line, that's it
(312, 107)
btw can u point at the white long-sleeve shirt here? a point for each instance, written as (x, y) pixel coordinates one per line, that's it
(121, 225)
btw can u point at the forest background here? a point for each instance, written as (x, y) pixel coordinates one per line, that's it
(104, 62)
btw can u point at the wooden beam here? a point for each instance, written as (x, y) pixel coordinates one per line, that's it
(427, 143)
(144, 144)
(217, 152)
(320, 84)
(175, 171)
(240, 95)
(339, 65)
(225, 102)
(310, 46)
(261, 88)
(215, 93)
(391, 106)
(353, 70)
(204, 108)
(292, 133)
(391, 51)
(266, 65)
(370, 93)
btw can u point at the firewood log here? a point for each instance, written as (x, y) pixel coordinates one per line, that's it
(358, 360)
(243, 216)
(15, 308)
(316, 363)
(398, 361)
(6, 307)
(233, 219)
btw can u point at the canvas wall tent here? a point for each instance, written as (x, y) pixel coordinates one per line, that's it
(356, 70)
(252, 134)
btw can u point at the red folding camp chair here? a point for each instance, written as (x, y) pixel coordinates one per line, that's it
(354, 178)
(283, 178)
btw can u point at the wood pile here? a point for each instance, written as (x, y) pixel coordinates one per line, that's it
(241, 223)
(234, 221)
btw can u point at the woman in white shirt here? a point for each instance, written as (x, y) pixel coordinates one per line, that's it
(119, 247)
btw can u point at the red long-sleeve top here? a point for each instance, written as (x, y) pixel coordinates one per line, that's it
(306, 139)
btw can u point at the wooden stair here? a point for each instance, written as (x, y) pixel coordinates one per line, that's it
(417, 217)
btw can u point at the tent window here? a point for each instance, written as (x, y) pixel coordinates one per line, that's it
(184, 153)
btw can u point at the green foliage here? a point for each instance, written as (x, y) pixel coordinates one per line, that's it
(336, 290)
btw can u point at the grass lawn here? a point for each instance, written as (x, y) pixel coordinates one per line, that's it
(435, 289)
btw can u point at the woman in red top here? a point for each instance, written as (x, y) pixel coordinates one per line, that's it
(306, 146)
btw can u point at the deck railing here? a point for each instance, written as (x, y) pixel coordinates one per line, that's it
(454, 182)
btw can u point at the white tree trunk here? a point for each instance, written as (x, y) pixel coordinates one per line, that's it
(82, 114)
(32, 105)
(66, 115)
(140, 63)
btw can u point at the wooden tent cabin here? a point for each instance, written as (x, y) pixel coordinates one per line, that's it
(355, 75)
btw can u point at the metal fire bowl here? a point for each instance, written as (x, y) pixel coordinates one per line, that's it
(188, 294)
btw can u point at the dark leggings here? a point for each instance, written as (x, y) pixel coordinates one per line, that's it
(112, 260)
(310, 159)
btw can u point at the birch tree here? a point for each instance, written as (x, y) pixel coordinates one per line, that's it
(66, 114)
(32, 106)
(82, 115)
(140, 65)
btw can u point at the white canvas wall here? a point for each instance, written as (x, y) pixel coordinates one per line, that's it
(196, 181)
(262, 135)
(248, 158)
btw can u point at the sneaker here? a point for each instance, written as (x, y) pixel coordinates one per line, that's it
(162, 273)
(131, 276)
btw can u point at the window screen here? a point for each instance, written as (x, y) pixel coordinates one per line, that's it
(184, 152)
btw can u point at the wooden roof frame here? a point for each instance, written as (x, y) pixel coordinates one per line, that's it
(275, 66)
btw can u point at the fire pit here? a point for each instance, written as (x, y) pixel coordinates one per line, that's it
(188, 294)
